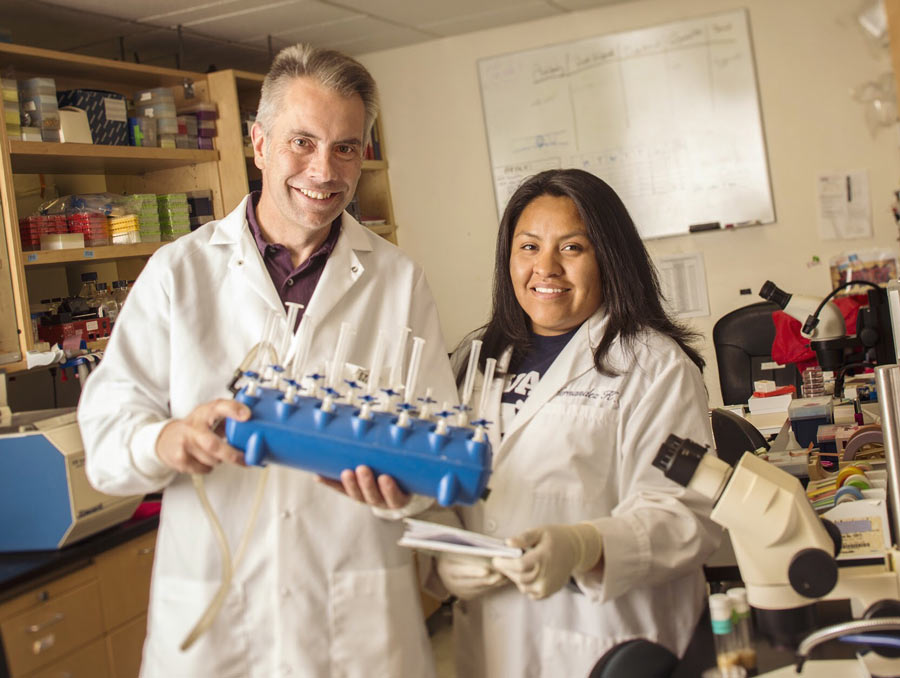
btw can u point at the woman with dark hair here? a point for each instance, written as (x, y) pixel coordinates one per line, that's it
(598, 377)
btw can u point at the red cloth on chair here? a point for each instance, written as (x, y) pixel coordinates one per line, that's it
(790, 347)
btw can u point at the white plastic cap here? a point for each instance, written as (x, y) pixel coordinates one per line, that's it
(738, 596)
(720, 607)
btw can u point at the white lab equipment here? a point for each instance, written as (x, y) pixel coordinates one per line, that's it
(47, 502)
(786, 553)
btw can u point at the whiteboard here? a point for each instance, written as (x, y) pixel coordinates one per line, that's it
(668, 116)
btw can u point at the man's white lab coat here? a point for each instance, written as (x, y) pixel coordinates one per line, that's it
(323, 589)
(580, 450)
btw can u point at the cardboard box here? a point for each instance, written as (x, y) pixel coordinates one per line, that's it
(106, 111)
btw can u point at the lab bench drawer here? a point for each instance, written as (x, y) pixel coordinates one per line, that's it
(124, 574)
(88, 662)
(126, 646)
(47, 632)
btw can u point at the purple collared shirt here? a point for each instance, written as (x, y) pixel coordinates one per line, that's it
(293, 284)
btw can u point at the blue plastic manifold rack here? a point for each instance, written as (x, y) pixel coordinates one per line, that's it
(449, 463)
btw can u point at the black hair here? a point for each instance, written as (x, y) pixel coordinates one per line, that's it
(629, 284)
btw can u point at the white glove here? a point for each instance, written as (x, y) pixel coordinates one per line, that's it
(553, 553)
(468, 577)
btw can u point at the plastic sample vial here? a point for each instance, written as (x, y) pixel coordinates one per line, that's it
(720, 609)
(743, 629)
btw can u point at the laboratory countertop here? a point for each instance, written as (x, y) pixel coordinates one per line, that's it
(23, 570)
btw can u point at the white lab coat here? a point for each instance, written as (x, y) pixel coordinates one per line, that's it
(323, 589)
(580, 449)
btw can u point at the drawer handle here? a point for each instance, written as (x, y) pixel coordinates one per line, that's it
(43, 644)
(55, 619)
(146, 551)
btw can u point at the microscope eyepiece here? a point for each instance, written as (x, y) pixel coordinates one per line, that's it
(770, 292)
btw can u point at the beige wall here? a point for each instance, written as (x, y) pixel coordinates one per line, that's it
(809, 54)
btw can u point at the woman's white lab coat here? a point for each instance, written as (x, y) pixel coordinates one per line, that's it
(323, 589)
(580, 449)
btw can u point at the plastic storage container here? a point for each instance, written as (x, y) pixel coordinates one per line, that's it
(806, 415)
(106, 111)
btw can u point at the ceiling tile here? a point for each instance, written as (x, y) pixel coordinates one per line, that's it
(254, 27)
(418, 13)
(370, 35)
(576, 5)
(492, 18)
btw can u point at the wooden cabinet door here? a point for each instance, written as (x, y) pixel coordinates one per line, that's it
(124, 574)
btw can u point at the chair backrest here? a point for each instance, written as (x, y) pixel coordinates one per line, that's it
(743, 342)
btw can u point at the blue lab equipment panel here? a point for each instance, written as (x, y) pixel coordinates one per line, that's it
(451, 467)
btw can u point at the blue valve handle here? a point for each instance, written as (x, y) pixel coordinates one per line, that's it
(452, 468)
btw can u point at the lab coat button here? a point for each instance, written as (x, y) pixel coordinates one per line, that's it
(490, 525)
(354, 269)
(286, 514)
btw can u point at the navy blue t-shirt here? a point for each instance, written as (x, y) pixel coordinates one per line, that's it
(519, 385)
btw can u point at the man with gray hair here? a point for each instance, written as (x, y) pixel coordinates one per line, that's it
(321, 588)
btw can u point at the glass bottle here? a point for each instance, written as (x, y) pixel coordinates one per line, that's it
(720, 610)
(743, 629)
(119, 292)
(108, 306)
(88, 290)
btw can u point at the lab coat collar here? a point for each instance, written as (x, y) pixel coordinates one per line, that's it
(342, 269)
(576, 359)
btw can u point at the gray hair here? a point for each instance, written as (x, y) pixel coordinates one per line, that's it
(329, 68)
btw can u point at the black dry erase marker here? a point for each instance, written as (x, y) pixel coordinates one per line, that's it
(711, 226)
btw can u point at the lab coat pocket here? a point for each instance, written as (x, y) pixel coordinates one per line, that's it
(569, 653)
(175, 607)
(377, 626)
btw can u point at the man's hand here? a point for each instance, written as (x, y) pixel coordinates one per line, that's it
(362, 486)
(195, 444)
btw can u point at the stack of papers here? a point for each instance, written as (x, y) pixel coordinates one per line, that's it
(779, 403)
(421, 534)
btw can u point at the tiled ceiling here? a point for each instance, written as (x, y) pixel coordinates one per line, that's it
(244, 33)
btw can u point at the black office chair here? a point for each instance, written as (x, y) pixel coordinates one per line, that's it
(641, 658)
(743, 342)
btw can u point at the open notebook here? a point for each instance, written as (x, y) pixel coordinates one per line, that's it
(421, 534)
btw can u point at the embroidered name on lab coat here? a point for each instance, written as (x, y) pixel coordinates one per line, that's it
(602, 398)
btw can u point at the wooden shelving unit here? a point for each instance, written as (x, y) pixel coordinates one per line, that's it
(106, 253)
(31, 157)
(119, 169)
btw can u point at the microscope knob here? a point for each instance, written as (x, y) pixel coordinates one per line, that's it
(835, 533)
(813, 572)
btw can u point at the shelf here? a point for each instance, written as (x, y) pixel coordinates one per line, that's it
(33, 157)
(30, 61)
(51, 257)
(383, 229)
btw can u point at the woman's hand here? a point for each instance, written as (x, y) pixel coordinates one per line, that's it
(554, 553)
(468, 577)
